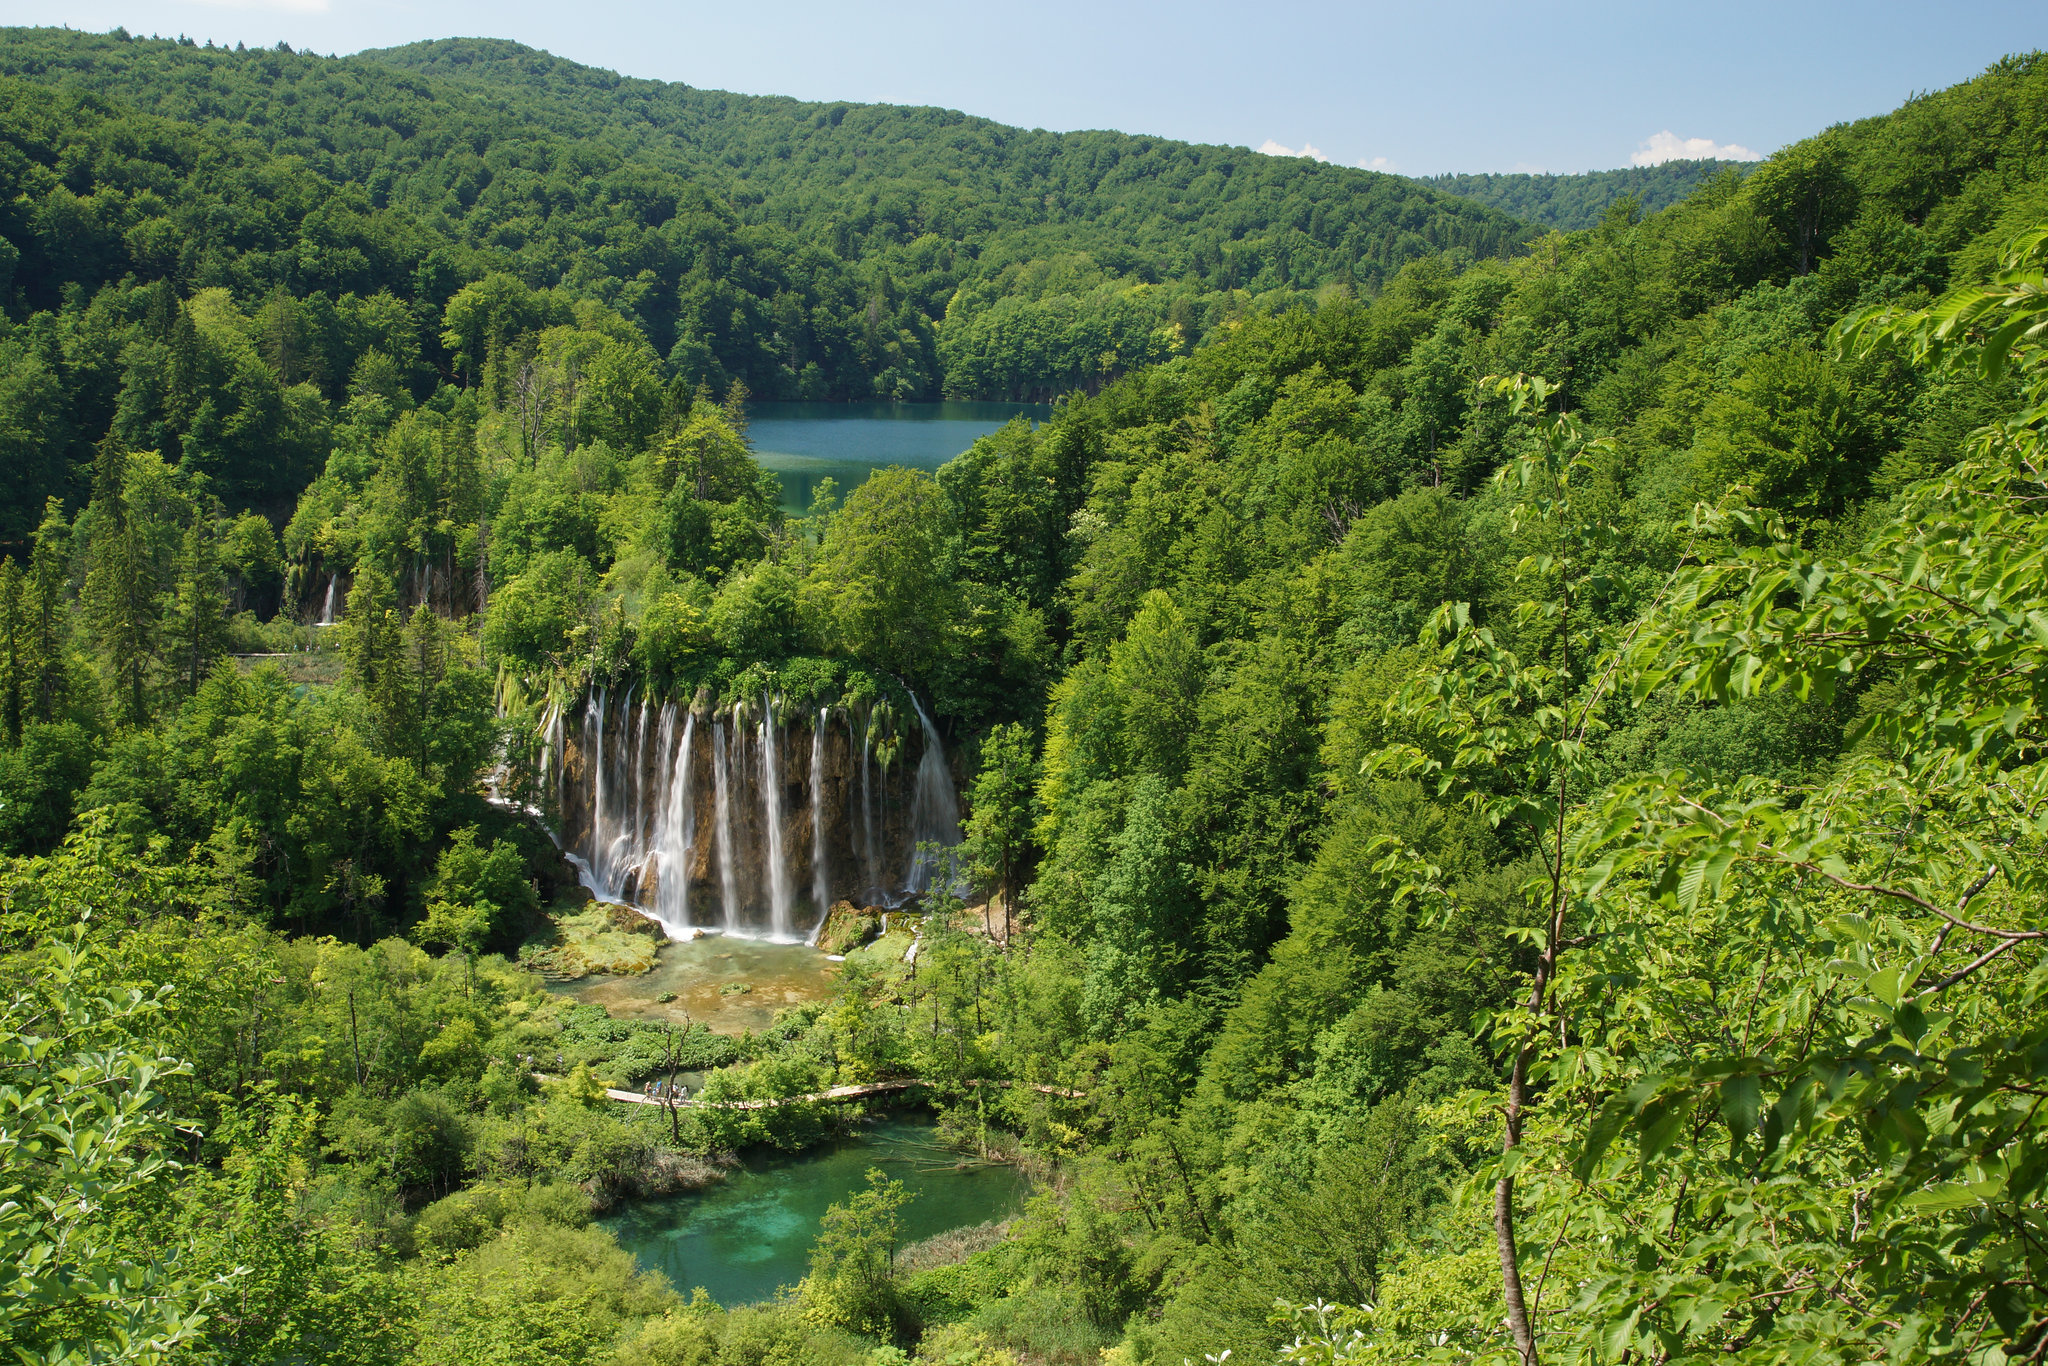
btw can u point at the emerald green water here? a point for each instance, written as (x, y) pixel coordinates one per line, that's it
(749, 1236)
(805, 442)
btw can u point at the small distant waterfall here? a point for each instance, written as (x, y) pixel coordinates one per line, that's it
(675, 814)
(821, 882)
(779, 908)
(728, 875)
(934, 808)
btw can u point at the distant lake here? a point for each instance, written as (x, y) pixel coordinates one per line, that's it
(806, 442)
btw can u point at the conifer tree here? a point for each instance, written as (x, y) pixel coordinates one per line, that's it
(120, 589)
(182, 398)
(459, 505)
(195, 619)
(735, 407)
(14, 665)
(422, 664)
(371, 641)
(280, 336)
(47, 681)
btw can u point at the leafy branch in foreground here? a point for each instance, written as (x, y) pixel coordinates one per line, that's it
(1509, 737)
(83, 1129)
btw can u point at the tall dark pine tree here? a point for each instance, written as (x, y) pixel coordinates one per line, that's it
(423, 663)
(45, 618)
(15, 666)
(120, 597)
(195, 616)
(373, 650)
(460, 505)
(183, 390)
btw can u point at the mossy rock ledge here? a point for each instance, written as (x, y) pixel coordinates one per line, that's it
(847, 927)
(596, 937)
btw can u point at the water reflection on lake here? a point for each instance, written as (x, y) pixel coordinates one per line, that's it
(805, 442)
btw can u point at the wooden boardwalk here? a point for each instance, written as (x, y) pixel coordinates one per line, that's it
(836, 1093)
(873, 1088)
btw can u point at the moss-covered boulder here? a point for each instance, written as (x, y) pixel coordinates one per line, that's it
(626, 920)
(885, 956)
(595, 937)
(847, 927)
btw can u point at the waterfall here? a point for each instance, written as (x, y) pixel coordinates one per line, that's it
(771, 809)
(544, 771)
(867, 814)
(934, 808)
(614, 841)
(593, 755)
(554, 766)
(637, 847)
(678, 836)
(821, 885)
(327, 609)
(647, 857)
(728, 879)
(646, 836)
(664, 770)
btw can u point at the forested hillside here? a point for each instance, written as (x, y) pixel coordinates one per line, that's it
(1575, 202)
(1517, 799)
(901, 254)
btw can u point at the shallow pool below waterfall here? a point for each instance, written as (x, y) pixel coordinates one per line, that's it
(704, 976)
(749, 1236)
(805, 442)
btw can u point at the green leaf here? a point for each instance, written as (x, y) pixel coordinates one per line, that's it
(1659, 1125)
(1607, 1125)
(1742, 1100)
(1692, 877)
(1716, 868)
(1618, 1336)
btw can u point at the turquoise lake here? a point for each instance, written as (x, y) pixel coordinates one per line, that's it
(749, 1236)
(805, 442)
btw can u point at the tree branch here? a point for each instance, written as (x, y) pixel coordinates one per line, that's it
(1924, 904)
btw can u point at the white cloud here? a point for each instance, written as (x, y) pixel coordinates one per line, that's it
(1307, 149)
(1374, 163)
(274, 6)
(1668, 146)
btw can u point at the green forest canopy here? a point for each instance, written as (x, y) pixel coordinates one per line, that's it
(809, 251)
(1575, 202)
(1472, 834)
(806, 251)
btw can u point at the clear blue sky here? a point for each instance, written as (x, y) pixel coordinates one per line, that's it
(1417, 87)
